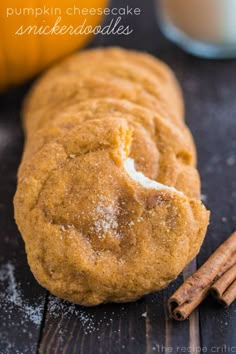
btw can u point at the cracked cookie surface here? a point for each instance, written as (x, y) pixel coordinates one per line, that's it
(93, 233)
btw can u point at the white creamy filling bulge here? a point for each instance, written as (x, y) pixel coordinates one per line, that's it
(143, 180)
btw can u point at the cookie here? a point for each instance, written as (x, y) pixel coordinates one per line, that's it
(99, 76)
(107, 199)
(152, 136)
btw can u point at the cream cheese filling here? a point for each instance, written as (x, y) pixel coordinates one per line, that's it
(145, 181)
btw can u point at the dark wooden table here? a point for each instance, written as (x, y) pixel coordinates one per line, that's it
(32, 320)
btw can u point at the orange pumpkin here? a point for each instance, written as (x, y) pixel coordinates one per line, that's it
(24, 55)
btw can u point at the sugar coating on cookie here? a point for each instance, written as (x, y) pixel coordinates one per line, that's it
(108, 195)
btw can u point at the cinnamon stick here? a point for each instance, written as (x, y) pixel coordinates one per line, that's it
(230, 295)
(228, 265)
(224, 289)
(192, 292)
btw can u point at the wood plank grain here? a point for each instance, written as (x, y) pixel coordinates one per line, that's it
(111, 328)
(194, 330)
(140, 327)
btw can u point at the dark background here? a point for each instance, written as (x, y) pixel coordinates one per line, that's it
(31, 319)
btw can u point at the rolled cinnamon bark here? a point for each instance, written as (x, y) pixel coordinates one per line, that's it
(192, 292)
(230, 263)
(224, 289)
(230, 295)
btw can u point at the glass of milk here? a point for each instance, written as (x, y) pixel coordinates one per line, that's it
(206, 28)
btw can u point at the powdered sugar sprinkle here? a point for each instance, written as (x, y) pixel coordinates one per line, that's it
(105, 216)
(13, 297)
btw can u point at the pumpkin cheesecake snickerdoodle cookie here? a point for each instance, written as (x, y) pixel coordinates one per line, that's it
(108, 192)
(138, 77)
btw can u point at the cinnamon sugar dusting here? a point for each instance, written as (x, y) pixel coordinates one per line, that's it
(106, 218)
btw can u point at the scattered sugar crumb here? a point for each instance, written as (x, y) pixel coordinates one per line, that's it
(13, 297)
(144, 314)
(72, 156)
(106, 218)
(58, 307)
(121, 261)
(224, 219)
(88, 320)
(66, 227)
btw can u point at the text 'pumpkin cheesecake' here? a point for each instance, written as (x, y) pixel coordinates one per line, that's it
(108, 195)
